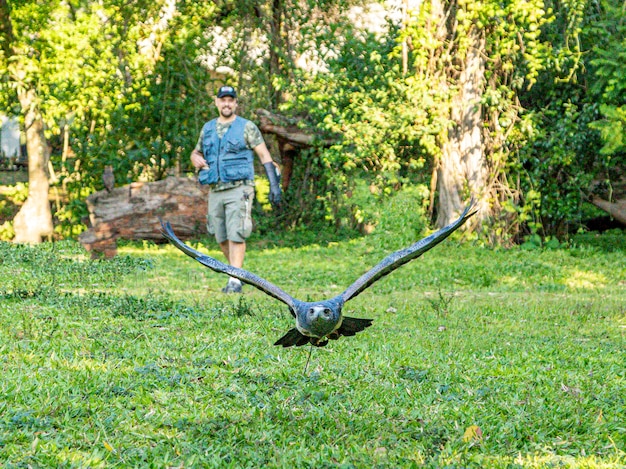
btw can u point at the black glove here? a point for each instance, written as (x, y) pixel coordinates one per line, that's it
(274, 177)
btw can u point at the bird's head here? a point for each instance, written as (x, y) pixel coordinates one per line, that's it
(318, 319)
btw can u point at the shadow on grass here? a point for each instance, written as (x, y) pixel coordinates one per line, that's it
(607, 241)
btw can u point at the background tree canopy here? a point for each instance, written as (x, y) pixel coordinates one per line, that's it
(520, 104)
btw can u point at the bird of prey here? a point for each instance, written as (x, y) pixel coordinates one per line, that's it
(319, 321)
(108, 178)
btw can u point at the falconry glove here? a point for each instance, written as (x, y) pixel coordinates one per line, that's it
(274, 177)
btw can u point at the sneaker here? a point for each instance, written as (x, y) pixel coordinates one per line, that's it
(233, 286)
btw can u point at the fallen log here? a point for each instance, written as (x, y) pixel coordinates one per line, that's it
(616, 209)
(610, 195)
(133, 211)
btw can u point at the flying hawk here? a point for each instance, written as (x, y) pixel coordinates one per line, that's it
(319, 321)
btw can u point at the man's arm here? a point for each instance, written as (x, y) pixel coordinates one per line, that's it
(197, 158)
(263, 153)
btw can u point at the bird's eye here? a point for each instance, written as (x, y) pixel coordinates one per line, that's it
(327, 311)
(311, 310)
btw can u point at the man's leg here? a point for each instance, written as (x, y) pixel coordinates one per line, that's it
(236, 253)
(237, 215)
(225, 250)
(233, 252)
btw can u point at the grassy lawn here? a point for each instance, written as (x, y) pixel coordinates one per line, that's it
(476, 358)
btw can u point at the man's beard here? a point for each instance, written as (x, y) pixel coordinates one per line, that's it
(226, 112)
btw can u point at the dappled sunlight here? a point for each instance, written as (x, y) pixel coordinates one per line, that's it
(148, 346)
(151, 249)
(509, 280)
(87, 458)
(579, 279)
(541, 461)
(574, 462)
(80, 364)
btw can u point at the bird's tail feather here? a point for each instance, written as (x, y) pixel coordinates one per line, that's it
(349, 327)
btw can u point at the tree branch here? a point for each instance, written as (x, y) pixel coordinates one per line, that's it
(275, 124)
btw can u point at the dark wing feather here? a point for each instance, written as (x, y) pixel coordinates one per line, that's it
(213, 264)
(401, 257)
(350, 326)
(293, 337)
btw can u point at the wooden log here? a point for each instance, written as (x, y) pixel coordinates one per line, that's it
(610, 196)
(616, 209)
(133, 212)
(285, 129)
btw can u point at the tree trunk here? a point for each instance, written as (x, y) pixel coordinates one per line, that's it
(462, 168)
(34, 220)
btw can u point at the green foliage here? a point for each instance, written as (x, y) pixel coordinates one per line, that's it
(12, 197)
(608, 241)
(576, 130)
(17, 193)
(513, 41)
(379, 122)
(7, 232)
(477, 358)
(609, 85)
(612, 130)
(402, 217)
(157, 123)
(114, 81)
(125, 84)
(71, 217)
(389, 127)
(563, 161)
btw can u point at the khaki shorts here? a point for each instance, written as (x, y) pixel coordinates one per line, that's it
(230, 214)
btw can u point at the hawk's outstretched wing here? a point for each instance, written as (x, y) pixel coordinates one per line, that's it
(213, 264)
(401, 257)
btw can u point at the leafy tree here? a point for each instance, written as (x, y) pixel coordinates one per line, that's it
(83, 71)
(495, 106)
(24, 52)
(608, 88)
(520, 103)
(450, 123)
(574, 112)
(363, 103)
(159, 101)
(273, 49)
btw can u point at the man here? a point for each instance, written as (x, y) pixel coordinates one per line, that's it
(224, 155)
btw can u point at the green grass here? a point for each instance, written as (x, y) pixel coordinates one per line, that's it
(476, 358)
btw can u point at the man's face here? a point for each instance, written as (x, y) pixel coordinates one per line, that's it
(226, 106)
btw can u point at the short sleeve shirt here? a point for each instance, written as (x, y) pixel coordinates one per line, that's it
(251, 134)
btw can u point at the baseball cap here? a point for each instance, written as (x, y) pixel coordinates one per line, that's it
(227, 91)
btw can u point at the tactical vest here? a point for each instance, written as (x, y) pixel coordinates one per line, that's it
(229, 158)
